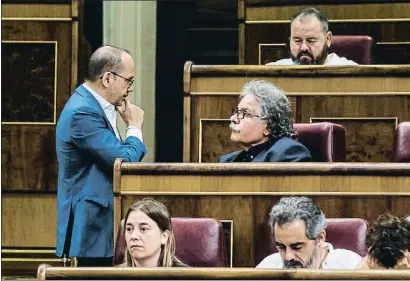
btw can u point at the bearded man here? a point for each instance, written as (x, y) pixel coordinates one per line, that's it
(310, 41)
(299, 228)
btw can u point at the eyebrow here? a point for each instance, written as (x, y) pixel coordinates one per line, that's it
(279, 244)
(292, 245)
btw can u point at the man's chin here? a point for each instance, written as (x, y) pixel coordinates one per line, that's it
(305, 60)
(234, 137)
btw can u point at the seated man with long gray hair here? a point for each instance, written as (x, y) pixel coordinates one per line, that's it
(299, 228)
(262, 125)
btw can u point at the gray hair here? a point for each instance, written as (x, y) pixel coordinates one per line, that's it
(313, 12)
(105, 59)
(274, 107)
(289, 209)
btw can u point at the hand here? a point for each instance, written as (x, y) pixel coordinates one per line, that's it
(131, 114)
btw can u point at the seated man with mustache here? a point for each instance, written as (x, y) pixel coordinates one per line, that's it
(388, 240)
(262, 125)
(299, 228)
(310, 41)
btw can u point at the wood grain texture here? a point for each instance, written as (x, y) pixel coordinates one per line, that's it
(368, 140)
(36, 10)
(216, 273)
(28, 158)
(28, 152)
(246, 193)
(215, 140)
(23, 263)
(29, 220)
(333, 12)
(358, 97)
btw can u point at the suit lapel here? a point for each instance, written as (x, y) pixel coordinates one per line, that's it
(81, 90)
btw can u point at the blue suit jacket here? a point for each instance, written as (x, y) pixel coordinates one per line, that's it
(86, 150)
(283, 150)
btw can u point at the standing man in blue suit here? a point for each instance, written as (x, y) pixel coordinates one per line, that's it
(87, 143)
(262, 125)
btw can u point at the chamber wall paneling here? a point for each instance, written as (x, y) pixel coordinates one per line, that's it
(369, 101)
(264, 27)
(245, 192)
(40, 42)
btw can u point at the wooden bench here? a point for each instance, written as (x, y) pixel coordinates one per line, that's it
(46, 272)
(244, 193)
(369, 101)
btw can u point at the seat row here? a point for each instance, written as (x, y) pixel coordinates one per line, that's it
(202, 242)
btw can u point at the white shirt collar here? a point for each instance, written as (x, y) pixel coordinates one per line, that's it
(105, 105)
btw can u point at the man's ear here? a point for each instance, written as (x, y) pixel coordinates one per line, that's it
(328, 38)
(322, 237)
(105, 79)
(267, 132)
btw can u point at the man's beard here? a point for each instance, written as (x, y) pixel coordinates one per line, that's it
(318, 61)
(311, 263)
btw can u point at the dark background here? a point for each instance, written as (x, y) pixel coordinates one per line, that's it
(202, 31)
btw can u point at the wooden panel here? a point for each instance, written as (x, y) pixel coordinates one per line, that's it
(368, 139)
(394, 53)
(205, 108)
(272, 52)
(36, 10)
(28, 158)
(23, 263)
(333, 12)
(322, 92)
(33, 101)
(41, 47)
(28, 151)
(215, 137)
(296, 86)
(107, 273)
(29, 220)
(246, 193)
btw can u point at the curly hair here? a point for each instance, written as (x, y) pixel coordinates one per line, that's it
(387, 239)
(274, 107)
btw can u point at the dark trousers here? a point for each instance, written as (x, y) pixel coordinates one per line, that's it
(94, 262)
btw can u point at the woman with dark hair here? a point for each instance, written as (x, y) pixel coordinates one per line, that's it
(388, 240)
(149, 237)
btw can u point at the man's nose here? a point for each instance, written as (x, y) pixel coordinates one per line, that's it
(304, 46)
(289, 255)
(234, 118)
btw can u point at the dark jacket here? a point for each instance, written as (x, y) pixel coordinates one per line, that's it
(282, 150)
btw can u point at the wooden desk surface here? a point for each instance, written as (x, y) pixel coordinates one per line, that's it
(50, 273)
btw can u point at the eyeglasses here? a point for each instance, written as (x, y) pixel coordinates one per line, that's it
(130, 81)
(241, 114)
